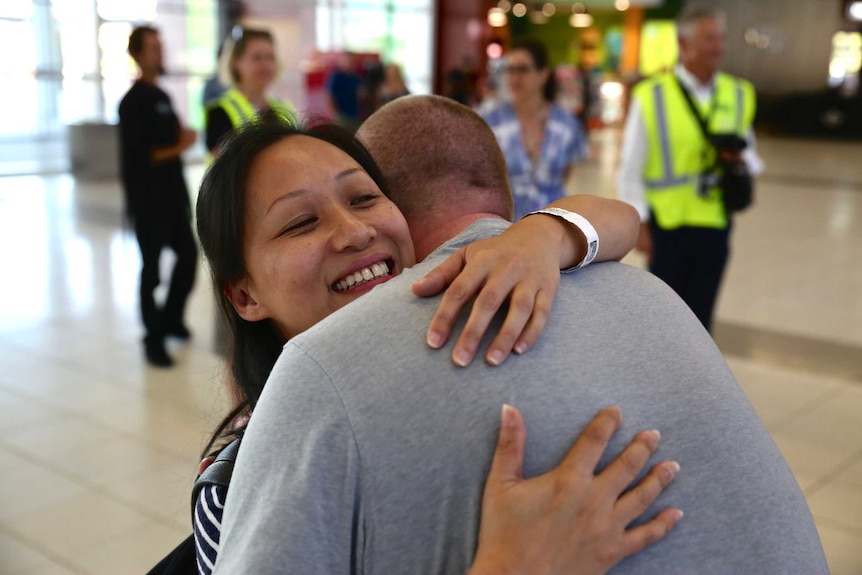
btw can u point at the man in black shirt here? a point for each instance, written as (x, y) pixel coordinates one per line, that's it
(157, 201)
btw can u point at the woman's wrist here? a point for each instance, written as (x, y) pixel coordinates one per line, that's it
(579, 241)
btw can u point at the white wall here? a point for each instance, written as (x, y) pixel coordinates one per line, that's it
(800, 42)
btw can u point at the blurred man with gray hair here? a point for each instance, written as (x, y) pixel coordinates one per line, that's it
(685, 131)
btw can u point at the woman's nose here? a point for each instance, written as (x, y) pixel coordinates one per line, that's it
(351, 232)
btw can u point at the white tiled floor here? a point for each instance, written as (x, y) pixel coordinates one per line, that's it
(98, 451)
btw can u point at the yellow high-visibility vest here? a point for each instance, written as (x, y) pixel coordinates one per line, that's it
(678, 151)
(240, 111)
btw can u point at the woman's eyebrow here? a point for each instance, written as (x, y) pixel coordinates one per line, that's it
(288, 196)
(302, 191)
(349, 171)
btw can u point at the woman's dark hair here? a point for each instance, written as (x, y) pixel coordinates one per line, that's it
(254, 346)
(242, 40)
(539, 53)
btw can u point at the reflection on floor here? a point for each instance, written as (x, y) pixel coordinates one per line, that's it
(88, 431)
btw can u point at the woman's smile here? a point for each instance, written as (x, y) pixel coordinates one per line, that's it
(365, 276)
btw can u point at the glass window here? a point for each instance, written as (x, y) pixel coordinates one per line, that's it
(18, 76)
(399, 31)
(16, 9)
(412, 49)
(71, 63)
(137, 10)
(425, 5)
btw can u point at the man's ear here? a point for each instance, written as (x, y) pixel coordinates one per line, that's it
(241, 296)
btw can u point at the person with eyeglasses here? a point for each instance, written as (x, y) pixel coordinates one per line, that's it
(253, 67)
(540, 140)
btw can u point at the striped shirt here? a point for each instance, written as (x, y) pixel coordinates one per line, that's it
(208, 515)
(535, 185)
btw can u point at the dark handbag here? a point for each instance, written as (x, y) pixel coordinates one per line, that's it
(734, 181)
(737, 186)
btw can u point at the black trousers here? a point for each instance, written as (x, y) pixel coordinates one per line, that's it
(692, 262)
(156, 232)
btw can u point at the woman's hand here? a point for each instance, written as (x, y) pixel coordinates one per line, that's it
(521, 265)
(570, 520)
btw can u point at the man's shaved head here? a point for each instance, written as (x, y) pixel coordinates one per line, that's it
(438, 156)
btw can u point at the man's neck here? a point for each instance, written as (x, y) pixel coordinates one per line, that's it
(148, 78)
(703, 76)
(429, 233)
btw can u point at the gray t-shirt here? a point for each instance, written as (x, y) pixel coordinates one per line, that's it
(368, 451)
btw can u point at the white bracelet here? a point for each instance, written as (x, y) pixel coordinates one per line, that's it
(582, 224)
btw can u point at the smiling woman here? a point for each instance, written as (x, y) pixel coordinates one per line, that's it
(260, 210)
(317, 222)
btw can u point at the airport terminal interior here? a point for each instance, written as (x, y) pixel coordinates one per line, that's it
(99, 450)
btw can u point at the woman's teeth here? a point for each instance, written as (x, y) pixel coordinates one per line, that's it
(364, 275)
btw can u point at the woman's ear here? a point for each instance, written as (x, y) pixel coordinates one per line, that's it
(241, 296)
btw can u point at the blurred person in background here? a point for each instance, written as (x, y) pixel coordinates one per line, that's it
(393, 85)
(344, 88)
(152, 141)
(667, 166)
(540, 140)
(253, 68)
(216, 85)
(460, 82)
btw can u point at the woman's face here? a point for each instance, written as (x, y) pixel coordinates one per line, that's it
(319, 233)
(524, 78)
(256, 67)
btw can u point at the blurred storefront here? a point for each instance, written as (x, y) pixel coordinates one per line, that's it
(64, 62)
(803, 57)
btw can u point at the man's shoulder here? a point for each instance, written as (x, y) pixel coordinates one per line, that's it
(132, 97)
(390, 315)
(141, 94)
(618, 280)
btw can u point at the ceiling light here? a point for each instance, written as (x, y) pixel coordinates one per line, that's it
(580, 20)
(538, 17)
(497, 18)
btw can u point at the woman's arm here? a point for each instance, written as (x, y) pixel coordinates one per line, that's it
(521, 266)
(570, 520)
